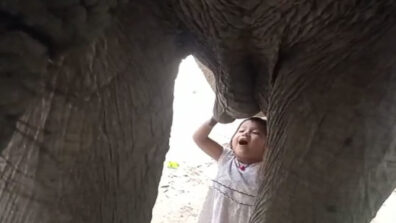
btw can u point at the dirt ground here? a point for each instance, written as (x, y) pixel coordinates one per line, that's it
(182, 192)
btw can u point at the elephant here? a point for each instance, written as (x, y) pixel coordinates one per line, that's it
(87, 89)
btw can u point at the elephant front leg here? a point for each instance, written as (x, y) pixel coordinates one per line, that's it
(101, 144)
(332, 136)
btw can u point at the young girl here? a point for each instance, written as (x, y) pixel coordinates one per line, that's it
(231, 197)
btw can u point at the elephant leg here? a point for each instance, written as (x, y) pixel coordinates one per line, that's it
(332, 133)
(98, 156)
(23, 65)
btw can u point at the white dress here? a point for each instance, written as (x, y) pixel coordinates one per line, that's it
(232, 195)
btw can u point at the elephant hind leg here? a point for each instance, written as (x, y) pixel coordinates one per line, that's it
(332, 132)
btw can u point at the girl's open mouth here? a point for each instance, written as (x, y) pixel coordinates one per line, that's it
(243, 142)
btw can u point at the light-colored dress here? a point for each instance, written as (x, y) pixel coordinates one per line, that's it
(232, 195)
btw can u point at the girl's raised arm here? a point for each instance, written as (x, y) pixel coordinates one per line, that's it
(201, 138)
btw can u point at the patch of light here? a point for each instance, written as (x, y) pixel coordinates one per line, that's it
(182, 190)
(387, 213)
(193, 104)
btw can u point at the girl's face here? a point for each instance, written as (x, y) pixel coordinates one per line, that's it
(249, 142)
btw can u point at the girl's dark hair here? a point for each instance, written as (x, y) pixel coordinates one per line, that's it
(258, 120)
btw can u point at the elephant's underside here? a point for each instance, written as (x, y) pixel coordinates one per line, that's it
(86, 93)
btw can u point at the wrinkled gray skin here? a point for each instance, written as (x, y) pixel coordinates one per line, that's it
(86, 92)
